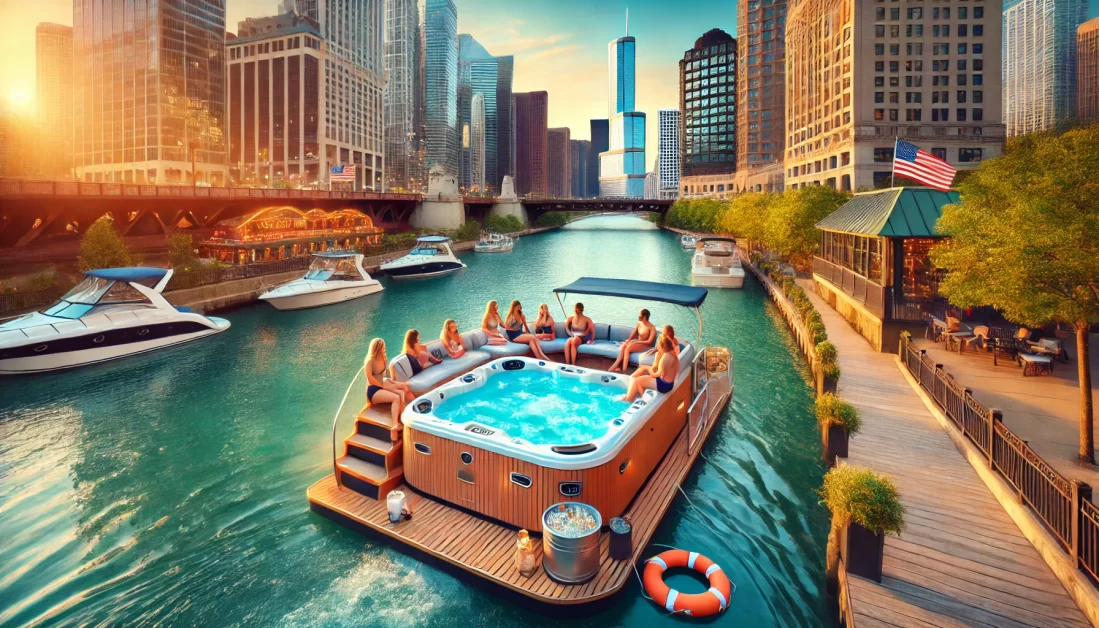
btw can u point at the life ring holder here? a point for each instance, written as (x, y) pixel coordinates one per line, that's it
(710, 602)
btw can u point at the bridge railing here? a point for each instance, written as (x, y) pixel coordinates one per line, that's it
(25, 188)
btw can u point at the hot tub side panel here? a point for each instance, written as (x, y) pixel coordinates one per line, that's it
(484, 485)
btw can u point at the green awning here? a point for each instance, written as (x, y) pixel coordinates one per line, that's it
(893, 213)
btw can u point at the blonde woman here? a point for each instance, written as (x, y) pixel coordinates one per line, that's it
(491, 322)
(418, 355)
(451, 339)
(543, 325)
(669, 332)
(515, 325)
(659, 377)
(379, 388)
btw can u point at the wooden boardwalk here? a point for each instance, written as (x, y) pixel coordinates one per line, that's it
(960, 560)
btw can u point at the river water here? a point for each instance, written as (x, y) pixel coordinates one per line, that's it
(170, 488)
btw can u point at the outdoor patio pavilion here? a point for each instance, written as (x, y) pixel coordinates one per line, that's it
(277, 233)
(873, 266)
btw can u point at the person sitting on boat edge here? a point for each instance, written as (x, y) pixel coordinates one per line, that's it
(659, 377)
(641, 338)
(419, 358)
(543, 325)
(451, 339)
(381, 389)
(490, 324)
(582, 330)
(515, 326)
(668, 331)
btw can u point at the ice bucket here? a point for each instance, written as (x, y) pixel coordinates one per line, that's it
(570, 542)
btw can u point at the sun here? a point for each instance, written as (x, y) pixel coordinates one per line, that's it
(19, 99)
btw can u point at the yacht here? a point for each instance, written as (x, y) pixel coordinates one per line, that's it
(112, 313)
(716, 264)
(333, 277)
(431, 257)
(687, 241)
(494, 243)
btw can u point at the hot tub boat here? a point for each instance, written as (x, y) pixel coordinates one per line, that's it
(431, 257)
(332, 277)
(496, 437)
(716, 264)
(494, 243)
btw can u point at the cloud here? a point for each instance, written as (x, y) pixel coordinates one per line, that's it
(553, 50)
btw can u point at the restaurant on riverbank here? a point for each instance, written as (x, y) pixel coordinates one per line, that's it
(277, 233)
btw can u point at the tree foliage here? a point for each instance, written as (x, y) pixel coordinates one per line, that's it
(504, 224)
(102, 246)
(859, 495)
(181, 252)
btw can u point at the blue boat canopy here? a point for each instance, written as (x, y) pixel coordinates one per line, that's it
(335, 254)
(434, 238)
(135, 273)
(687, 296)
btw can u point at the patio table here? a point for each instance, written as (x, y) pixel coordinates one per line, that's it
(1035, 364)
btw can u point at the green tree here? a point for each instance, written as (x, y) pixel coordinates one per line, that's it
(791, 224)
(1025, 240)
(181, 252)
(102, 247)
(746, 216)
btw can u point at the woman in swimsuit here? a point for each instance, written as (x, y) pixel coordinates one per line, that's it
(543, 325)
(452, 340)
(490, 324)
(661, 378)
(379, 388)
(668, 331)
(582, 330)
(418, 355)
(515, 325)
(641, 338)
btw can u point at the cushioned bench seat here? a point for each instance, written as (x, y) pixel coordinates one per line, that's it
(435, 374)
(511, 349)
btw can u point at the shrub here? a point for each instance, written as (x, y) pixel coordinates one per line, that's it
(555, 219)
(820, 336)
(831, 410)
(831, 369)
(813, 316)
(102, 247)
(39, 280)
(181, 251)
(503, 224)
(826, 352)
(867, 498)
(470, 230)
(395, 240)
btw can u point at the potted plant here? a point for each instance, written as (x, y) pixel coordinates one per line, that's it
(830, 371)
(838, 421)
(865, 507)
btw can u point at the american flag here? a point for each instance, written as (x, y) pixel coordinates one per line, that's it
(342, 173)
(919, 165)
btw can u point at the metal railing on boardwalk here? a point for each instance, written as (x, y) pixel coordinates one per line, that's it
(1063, 505)
(183, 279)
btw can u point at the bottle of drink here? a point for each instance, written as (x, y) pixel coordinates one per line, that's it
(524, 555)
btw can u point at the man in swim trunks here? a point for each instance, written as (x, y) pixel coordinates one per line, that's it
(641, 338)
(581, 329)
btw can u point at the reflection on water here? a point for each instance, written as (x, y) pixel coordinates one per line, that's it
(170, 487)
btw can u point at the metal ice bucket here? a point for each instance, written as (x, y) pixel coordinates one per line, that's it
(567, 559)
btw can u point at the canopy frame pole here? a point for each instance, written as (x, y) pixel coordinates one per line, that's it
(560, 303)
(698, 339)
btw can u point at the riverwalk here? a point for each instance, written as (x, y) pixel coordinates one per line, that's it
(960, 560)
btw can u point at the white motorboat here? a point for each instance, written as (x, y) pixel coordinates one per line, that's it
(112, 313)
(687, 241)
(333, 277)
(716, 264)
(431, 257)
(494, 243)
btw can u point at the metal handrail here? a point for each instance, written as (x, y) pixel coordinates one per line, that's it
(336, 420)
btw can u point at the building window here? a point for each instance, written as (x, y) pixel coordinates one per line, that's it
(879, 30)
(939, 152)
(879, 97)
(978, 30)
(978, 12)
(978, 79)
(879, 81)
(894, 97)
(915, 13)
(879, 49)
(913, 115)
(883, 155)
(978, 114)
(961, 115)
(978, 49)
(968, 155)
(879, 114)
(978, 96)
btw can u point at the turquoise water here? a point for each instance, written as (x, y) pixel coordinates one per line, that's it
(542, 408)
(170, 488)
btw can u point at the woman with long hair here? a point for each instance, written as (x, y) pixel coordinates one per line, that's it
(490, 324)
(418, 355)
(659, 377)
(668, 331)
(581, 329)
(379, 388)
(515, 325)
(451, 339)
(543, 325)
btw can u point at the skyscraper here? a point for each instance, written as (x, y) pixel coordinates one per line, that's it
(145, 106)
(558, 162)
(477, 143)
(622, 166)
(600, 142)
(441, 86)
(402, 64)
(481, 73)
(54, 80)
(668, 153)
(531, 135)
(707, 104)
(1087, 72)
(761, 78)
(579, 150)
(1039, 53)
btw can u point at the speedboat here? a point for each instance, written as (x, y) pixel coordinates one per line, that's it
(431, 257)
(687, 241)
(494, 243)
(716, 264)
(112, 313)
(333, 277)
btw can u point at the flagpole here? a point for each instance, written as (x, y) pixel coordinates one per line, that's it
(893, 174)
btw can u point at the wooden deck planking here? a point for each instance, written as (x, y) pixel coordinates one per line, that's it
(960, 559)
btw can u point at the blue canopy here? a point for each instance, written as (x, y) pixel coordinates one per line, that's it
(135, 273)
(687, 296)
(335, 254)
(433, 239)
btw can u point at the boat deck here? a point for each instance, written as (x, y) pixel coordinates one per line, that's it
(486, 548)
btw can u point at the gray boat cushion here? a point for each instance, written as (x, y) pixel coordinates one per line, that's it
(400, 369)
(620, 333)
(604, 348)
(474, 339)
(511, 349)
(556, 345)
(559, 329)
(686, 355)
(602, 331)
(450, 368)
(436, 348)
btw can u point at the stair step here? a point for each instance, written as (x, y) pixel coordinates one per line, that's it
(376, 445)
(366, 471)
(377, 416)
(369, 479)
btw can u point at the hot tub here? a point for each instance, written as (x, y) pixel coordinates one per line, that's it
(516, 435)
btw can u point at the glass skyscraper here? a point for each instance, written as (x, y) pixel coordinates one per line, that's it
(622, 167)
(54, 83)
(481, 73)
(441, 86)
(402, 63)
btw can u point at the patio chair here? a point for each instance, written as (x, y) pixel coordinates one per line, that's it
(1048, 346)
(1023, 335)
(980, 337)
(953, 324)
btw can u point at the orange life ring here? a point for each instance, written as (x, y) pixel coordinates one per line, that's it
(711, 602)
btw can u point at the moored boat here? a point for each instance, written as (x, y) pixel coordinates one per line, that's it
(716, 264)
(431, 257)
(687, 241)
(112, 313)
(332, 277)
(493, 243)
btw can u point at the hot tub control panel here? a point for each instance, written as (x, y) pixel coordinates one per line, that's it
(570, 489)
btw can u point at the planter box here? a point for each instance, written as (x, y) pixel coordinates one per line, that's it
(829, 384)
(834, 442)
(863, 552)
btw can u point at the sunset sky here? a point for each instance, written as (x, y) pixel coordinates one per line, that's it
(559, 45)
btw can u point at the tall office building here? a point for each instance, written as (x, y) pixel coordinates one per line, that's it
(441, 86)
(491, 77)
(668, 153)
(531, 136)
(579, 150)
(54, 98)
(1039, 62)
(477, 143)
(761, 68)
(402, 66)
(859, 78)
(622, 166)
(558, 163)
(707, 105)
(1087, 72)
(600, 142)
(652, 180)
(149, 91)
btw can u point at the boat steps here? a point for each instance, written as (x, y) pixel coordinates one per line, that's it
(374, 450)
(374, 457)
(368, 479)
